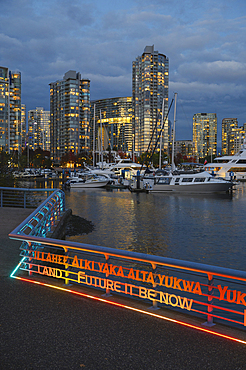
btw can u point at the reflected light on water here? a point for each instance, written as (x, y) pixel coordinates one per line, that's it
(206, 228)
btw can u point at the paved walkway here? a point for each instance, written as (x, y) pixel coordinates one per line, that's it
(43, 328)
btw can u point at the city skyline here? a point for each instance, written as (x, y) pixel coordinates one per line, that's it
(204, 43)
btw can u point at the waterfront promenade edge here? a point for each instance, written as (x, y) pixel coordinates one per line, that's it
(42, 328)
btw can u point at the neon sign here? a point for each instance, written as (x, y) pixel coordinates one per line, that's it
(80, 271)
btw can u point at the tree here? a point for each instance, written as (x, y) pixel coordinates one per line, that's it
(147, 159)
(4, 162)
(69, 157)
(6, 177)
(84, 157)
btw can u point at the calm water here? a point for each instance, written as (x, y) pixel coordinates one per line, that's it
(207, 228)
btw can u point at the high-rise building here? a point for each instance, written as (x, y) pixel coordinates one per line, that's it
(113, 124)
(150, 79)
(4, 107)
(23, 126)
(237, 137)
(39, 129)
(69, 115)
(184, 147)
(228, 124)
(10, 110)
(205, 134)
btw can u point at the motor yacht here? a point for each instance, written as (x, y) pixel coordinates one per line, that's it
(87, 181)
(182, 182)
(230, 167)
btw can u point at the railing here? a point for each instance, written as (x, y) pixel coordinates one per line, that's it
(23, 197)
(214, 293)
(44, 219)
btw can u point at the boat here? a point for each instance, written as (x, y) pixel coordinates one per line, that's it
(120, 172)
(230, 167)
(121, 166)
(87, 181)
(116, 186)
(183, 182)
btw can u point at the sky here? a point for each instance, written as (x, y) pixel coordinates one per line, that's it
(204, 41)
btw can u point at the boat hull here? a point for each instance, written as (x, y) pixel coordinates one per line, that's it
(92, 184)
(193, 188)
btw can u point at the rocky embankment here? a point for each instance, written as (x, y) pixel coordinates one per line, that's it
(77, 225)
(71, 225)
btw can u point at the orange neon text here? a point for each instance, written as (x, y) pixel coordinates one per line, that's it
(137, 291)
(114, 270)
(171, 282)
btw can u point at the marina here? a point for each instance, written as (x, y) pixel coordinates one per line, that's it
(84, 266)
(177, 222)
(204, 228)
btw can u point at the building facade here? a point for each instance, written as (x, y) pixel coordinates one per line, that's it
(10, 110)
(237, 137)
(232, 136)
(69, 115)
(227, 143)
(111, 124)
(150, 80)
(205, 134)
(23, 127)
(39, 129)
(184, 147)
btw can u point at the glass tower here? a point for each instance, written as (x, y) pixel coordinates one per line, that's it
(23, 126)
(39, 129)
(10, 110)
(150, 79)
(228, 125)
(205, 134)
(4, 107)
(113, 124)
(69, 115)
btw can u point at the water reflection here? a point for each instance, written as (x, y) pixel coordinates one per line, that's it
(208, 229)
(39, 184)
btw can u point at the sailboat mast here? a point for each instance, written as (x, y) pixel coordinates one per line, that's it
(174, 122)
(161, 133)
(101, 146)
(94, 127)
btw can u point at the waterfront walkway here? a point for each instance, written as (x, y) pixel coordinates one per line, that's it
(42, 328)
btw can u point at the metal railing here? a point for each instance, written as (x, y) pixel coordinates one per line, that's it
(23, 197)
(214, 293)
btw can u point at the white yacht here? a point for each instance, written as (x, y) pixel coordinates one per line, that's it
(122, 164)
(87, 181)
(182, 182)
(228, 167)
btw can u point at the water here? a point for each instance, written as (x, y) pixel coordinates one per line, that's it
(208, 229)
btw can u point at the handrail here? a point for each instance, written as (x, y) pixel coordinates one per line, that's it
(18, 229)
(26, 189)
(136, 256)
(150, 280)
(7, 199)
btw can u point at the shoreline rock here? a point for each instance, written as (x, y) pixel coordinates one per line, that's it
(71, 225)
(77, 225)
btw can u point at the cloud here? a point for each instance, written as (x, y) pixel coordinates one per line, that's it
(217, 71)
(204, 41)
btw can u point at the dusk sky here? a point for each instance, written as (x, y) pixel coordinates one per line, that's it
(204, 41)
